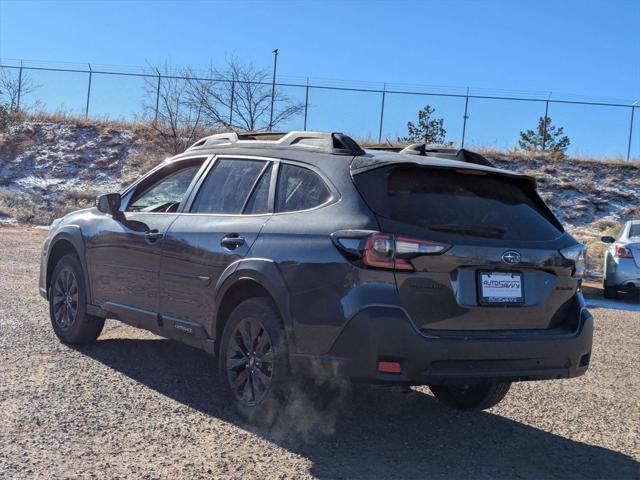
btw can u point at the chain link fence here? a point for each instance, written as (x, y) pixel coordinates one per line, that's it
(77, 85)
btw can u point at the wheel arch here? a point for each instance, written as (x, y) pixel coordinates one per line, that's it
(67, 242)
(251, 278)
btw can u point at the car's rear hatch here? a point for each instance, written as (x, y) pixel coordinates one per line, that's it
(501, 270)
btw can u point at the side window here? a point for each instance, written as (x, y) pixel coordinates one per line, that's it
(226, 188)
(299, 189)
(165, 194)
(259, 200)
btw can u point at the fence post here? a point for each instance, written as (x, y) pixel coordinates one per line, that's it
(273, 87)
(464, 125)
(19, 86)
(306, 104)
(633, 107)
(155, 121)
(233, 93)
(384, 91)
(86, 109)
(544, 122)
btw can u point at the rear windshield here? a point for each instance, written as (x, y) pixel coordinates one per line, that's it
(449, 201)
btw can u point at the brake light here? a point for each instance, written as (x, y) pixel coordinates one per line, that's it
(621, 252)
(383, 250)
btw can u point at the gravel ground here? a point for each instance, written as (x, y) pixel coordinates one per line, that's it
(135, 405)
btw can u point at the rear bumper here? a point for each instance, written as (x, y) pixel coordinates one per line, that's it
(622, 273)
(623, 279)
(387, 334)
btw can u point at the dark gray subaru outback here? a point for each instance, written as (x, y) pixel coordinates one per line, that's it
(302, 255)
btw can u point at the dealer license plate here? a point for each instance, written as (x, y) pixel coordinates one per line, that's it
(501, 288)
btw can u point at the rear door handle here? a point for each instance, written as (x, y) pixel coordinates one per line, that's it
(153, 236)
(232, 241)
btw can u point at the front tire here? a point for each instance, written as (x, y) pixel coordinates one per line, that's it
(68, 304)
(253, 360)
(471, 397)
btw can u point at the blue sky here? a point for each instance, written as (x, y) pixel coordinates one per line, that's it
(586, 48)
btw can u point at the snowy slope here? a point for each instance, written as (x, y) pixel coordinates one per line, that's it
(58, 166)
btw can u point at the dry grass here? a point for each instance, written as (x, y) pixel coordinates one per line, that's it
(25, 209)
(65, 117)
(37, 210)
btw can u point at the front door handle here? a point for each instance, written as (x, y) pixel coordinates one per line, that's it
(232, 241)
(153, 236)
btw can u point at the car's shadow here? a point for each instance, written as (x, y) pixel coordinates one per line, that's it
(374, 433)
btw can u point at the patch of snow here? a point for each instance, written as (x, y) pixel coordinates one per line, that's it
(31, 181)
(8, 220)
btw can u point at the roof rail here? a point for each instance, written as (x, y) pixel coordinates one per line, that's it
(327, 142)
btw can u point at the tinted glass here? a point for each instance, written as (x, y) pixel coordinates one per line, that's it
(259, 199)
(299, 189)
(166, 193)
(634, 230)
(451, 202)
(227, 186)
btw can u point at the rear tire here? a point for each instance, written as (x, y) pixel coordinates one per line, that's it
(253, 361)
(471, 397)
(68, 304)
(610, 292)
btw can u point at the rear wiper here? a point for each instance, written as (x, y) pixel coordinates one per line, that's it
(471, 229)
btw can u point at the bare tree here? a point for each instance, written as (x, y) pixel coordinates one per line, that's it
(238, 97)
(168, 107)
(13, 88)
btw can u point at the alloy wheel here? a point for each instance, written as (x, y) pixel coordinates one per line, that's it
(65, 299)
(250, 361)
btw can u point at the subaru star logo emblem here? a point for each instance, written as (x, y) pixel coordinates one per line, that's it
(511, 257)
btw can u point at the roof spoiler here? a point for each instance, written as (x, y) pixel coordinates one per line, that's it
(328, 142)
(461, 155)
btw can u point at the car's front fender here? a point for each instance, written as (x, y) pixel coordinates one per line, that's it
(56, 246)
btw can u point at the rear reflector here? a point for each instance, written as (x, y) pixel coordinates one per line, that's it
(389, 367)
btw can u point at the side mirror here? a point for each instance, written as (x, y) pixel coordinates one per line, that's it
(608, 239)
(108, 203)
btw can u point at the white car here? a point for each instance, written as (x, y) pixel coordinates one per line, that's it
(622, 260)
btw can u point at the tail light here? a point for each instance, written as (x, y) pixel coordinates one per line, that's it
(622, 252)
(577, 253)
(385, 250)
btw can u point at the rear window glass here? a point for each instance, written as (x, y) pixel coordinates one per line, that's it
(259, 200)
(451, 202)
(227, 187)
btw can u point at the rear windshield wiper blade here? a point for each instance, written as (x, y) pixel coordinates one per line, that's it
(471, 229)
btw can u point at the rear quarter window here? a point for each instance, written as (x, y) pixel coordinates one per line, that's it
(300, 188)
